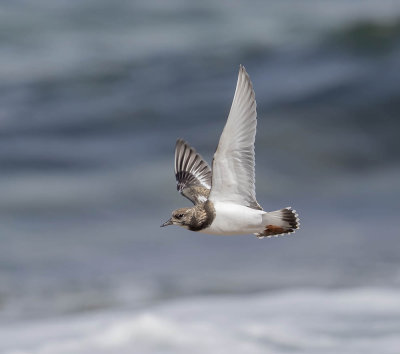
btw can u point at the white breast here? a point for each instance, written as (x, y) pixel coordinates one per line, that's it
(234, 219)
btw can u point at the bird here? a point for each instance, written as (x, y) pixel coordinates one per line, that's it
(224, 197)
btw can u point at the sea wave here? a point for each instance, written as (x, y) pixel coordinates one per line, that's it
(306, 321)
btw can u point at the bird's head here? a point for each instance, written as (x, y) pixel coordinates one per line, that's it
(180, 217)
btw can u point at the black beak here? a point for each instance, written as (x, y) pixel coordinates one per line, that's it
(168, 222)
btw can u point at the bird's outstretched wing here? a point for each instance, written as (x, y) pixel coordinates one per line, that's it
(233, 164)
(192, 173)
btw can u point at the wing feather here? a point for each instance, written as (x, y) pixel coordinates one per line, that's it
(233, 175)
(192, 173)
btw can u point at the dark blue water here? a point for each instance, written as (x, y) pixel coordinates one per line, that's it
(92, 98)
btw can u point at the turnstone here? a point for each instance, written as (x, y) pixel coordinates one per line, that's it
(224, 198)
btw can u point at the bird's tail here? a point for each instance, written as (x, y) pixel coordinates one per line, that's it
(279, 222)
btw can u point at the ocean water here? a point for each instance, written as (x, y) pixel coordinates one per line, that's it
(93, 96)
(301, 321)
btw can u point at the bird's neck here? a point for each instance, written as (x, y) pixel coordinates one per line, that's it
(203, 216)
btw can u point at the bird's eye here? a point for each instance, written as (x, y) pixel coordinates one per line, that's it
(179, 216)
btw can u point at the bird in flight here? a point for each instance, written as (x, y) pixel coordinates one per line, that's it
(224, 198)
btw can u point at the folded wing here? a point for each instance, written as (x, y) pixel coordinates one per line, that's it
(192, 173)
(233, 173)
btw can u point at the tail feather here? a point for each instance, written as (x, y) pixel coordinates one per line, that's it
(279, 222)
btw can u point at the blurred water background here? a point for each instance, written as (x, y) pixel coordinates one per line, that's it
(93, 95)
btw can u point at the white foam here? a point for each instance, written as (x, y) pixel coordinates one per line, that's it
(309, 321)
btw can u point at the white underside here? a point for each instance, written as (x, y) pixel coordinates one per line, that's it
(234, 219)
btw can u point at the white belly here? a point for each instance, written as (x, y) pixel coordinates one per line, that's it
(234, 219)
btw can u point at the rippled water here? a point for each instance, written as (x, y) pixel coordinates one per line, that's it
(92, 98)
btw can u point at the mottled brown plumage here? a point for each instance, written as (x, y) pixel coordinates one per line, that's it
(194, 219)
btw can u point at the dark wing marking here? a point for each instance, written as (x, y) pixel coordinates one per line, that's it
(192, 173)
